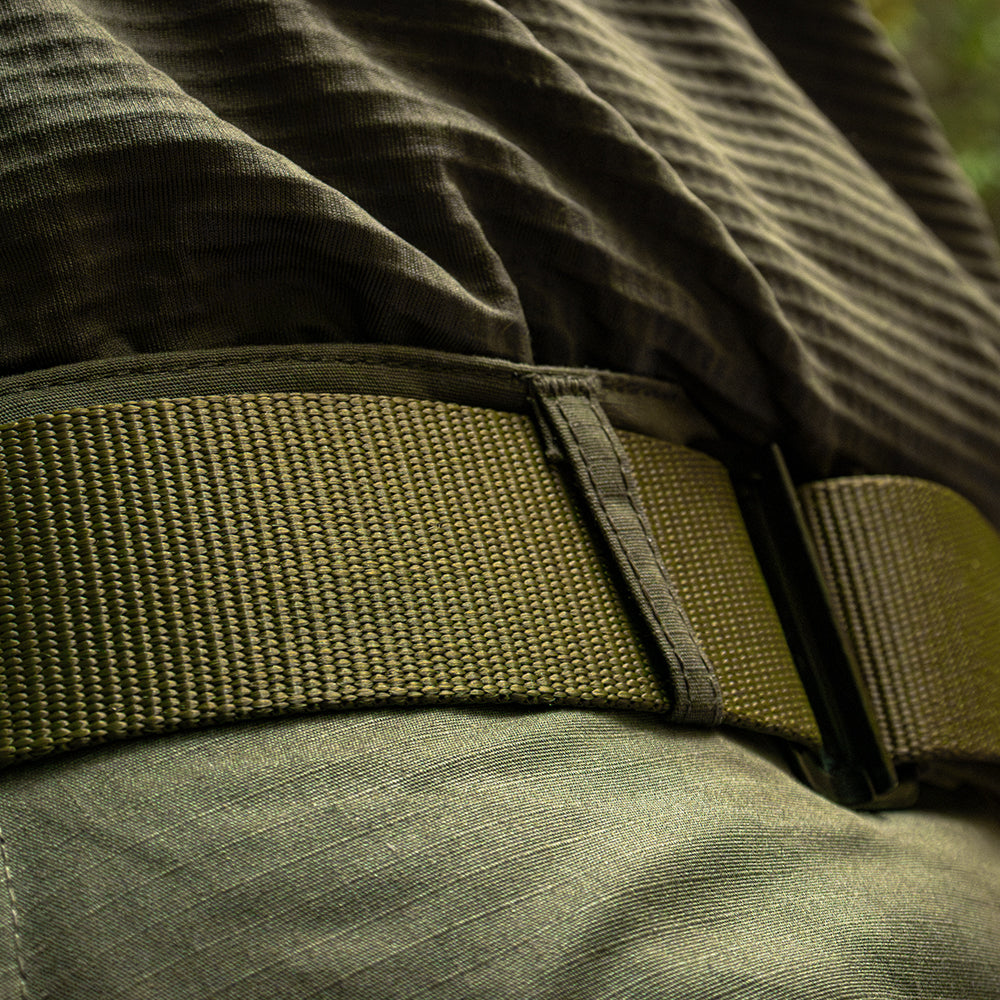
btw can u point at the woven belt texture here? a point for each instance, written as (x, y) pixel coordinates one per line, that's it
(188, 561)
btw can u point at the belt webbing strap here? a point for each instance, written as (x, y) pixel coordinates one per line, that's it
(184, 562)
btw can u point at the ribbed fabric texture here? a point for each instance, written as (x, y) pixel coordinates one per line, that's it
(877, 106)
(642, 187)
(916, 580)
(190, 562)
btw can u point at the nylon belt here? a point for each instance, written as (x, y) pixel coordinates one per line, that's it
(183, 562)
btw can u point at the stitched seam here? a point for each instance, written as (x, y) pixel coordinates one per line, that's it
(637, 576)
(634, 503)
(624, 549)
(15, 921)
(608, 520)
(620, 384)
(617, 382)
(228, 363)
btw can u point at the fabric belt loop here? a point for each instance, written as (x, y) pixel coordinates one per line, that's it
(573, 424)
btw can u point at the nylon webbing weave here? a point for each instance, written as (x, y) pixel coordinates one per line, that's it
(916, 580)
(190, 561)
(184, 562)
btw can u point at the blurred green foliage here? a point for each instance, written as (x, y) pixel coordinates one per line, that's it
(953, 49)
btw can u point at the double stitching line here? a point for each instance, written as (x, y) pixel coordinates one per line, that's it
(552, 392)
(15, 921)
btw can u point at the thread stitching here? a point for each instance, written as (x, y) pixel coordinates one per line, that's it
(15, 919)
(557, 399)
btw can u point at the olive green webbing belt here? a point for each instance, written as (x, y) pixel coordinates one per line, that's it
(190, 561)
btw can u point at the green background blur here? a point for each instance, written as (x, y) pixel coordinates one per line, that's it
(953, 49)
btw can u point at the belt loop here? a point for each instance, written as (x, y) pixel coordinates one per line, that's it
(854, 767)
(574, 428)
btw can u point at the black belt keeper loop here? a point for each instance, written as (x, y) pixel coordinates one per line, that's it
(607, 486)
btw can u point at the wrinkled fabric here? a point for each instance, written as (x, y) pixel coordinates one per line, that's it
(463, 853)
(750, 198)
(638, 187)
